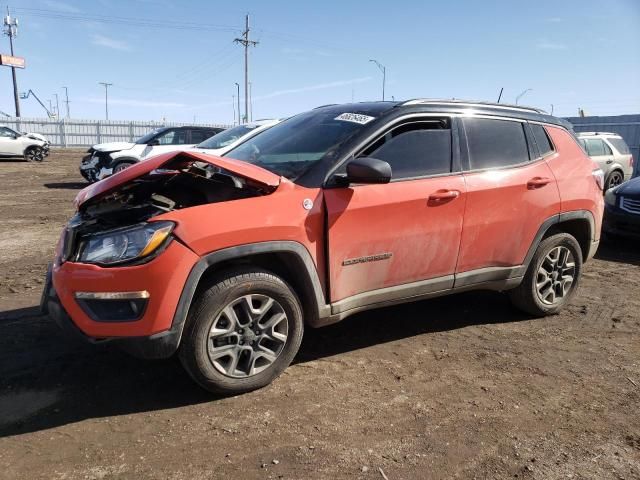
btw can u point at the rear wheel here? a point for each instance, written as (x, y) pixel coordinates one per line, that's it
(242, 332)
(615, 178)
(552, 277)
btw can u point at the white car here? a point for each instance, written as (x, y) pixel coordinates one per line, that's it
(225, 141)
(612, 155)
(31, 147)
(105, 159)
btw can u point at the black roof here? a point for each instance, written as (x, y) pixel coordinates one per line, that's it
(449, 106)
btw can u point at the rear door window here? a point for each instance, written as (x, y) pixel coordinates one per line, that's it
(596, 147)
(198, 136)
(415, 149)
(495, 143)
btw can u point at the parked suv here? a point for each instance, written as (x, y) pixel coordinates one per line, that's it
(611, 153)
(104, 159)
(225, 260)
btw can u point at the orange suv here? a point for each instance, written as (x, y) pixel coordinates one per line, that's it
(344, 208)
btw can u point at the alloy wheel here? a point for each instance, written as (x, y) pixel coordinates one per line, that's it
(247, 336)
(614, 180)
(555, 276)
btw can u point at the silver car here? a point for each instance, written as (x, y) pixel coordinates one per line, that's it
(611, 153)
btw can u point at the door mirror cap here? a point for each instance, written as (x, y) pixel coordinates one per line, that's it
(154, 142)
(368, 170)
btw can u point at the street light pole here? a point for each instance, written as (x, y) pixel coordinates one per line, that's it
(383, 69)
(522, 94)
(238, 85)
(106, 98)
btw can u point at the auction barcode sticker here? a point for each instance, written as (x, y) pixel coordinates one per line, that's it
(355, 118)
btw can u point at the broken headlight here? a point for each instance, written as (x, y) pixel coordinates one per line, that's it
(124, 244)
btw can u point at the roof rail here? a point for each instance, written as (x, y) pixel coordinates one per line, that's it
(597, 133)
(467, 103)
(327, 105)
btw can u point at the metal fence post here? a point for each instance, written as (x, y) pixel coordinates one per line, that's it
(63, 135)
(98, 133)
(131, 132)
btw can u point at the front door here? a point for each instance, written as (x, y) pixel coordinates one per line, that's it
(167, 141)
(403, 234)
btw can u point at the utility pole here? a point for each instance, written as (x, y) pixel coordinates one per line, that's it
(106, 98)
(383, 69)
(246, 43)
(11, 30)
(57, 106)
(500, 95)
(239, 115)
(66, 93)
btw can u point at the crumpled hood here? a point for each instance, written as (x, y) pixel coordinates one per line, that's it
(237, 167)
(36, 136)
(113, 146)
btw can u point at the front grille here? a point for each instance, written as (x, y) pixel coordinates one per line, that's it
(630, 205)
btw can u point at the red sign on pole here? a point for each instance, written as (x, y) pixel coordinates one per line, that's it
(11, 61)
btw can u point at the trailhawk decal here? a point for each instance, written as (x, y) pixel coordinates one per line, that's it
(368, 258)
(355, 118)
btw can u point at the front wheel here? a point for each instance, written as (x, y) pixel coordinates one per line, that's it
(121, 166)
(552, 277)
(242, 332)
(33, 154)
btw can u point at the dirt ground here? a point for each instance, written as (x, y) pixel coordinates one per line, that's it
(458, 387)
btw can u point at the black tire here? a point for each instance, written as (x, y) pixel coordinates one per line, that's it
(33, 154)
(118, 167)
(614, 179)
(526, 297)
(210, 303)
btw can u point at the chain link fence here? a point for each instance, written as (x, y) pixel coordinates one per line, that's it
(82, 133)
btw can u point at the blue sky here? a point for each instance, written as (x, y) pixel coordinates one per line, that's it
(570, 53)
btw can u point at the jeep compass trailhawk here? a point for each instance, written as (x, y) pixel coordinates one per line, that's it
(225, 261)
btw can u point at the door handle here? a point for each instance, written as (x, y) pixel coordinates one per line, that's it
(538, 182)
(609, 162)
(444, 195)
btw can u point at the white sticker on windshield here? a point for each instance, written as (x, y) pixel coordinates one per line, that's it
(355, 118)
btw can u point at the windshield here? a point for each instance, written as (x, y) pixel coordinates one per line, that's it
(291, 147)
(227, 137)
(146, 138)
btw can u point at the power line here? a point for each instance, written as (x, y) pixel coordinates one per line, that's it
(153, 23)
(246, 43)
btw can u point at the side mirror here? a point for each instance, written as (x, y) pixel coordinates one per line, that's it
(154, 142)
(15, 136)
(368, 170)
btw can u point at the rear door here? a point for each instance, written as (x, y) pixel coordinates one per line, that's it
(600, 153)
(511, 191)
(404, 232)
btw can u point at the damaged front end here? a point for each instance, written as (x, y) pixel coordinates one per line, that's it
(115, 219)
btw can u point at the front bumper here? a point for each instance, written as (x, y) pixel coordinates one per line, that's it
(154, 334)
(619, 222)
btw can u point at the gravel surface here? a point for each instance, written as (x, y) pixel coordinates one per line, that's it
(457, 387)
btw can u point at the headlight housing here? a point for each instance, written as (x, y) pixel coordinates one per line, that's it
(610, 196)
(124, 244)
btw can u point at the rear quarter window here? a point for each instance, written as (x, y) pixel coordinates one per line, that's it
(620, 145)
(545, 147)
